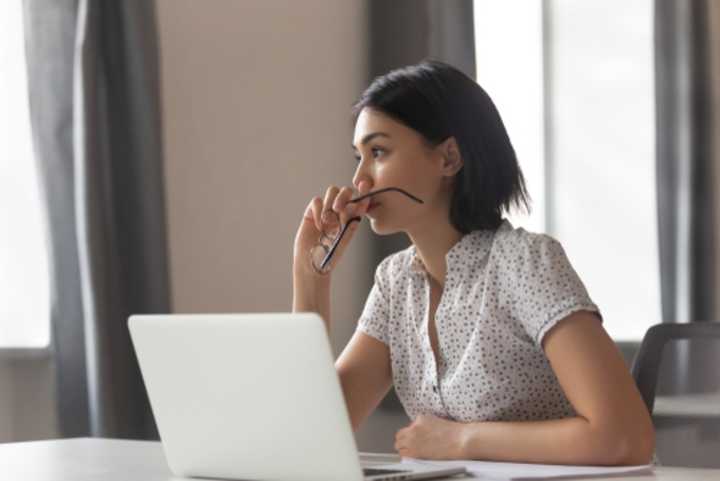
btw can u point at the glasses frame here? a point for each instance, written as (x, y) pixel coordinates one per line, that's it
(335, 242)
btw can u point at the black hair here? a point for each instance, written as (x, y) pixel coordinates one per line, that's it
(439, 101)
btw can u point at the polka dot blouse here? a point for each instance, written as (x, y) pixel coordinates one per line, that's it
(503, 291)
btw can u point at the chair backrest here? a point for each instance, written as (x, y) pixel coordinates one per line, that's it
(647, 361)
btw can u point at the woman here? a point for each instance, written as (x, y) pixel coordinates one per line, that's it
(493, 345)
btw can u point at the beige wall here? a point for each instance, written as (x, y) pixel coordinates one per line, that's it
(256, 111)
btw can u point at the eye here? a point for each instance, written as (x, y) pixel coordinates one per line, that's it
(375, 150)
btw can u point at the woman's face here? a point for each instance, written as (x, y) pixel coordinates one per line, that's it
(390, 154)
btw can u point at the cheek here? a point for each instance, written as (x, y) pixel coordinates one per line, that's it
(389, 174)
(411, 172)
(402, 171)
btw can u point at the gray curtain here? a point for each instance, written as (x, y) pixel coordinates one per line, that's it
(49, 45)
(687, 74)
(687, 157)
(94, 99)
(404, 32)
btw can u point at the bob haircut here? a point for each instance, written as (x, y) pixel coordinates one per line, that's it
(439, 101)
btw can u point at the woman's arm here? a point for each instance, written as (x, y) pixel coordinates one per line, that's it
(612, 427)
(365, 375)
(312, 295)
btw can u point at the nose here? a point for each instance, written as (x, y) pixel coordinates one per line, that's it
(362, 180)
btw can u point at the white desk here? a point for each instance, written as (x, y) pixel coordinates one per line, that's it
(86, 459)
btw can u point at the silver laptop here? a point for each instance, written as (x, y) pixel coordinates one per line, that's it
(252, 397)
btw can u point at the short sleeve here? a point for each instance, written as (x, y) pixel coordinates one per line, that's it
(547, 289)
(375, 315)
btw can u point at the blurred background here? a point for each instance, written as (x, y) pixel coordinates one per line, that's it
(158, 156)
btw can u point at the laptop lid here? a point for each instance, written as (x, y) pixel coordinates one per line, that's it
(249, 396)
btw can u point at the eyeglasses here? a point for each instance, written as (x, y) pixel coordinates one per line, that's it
(333, 232)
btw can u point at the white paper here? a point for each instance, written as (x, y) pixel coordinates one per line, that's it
(518, 471)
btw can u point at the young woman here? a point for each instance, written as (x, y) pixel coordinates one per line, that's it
(494, 347)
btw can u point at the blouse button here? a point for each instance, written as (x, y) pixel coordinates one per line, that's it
(435, 389)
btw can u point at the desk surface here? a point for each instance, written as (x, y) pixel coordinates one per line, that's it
(86, 459)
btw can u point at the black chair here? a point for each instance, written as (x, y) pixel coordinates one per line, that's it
(647, 360)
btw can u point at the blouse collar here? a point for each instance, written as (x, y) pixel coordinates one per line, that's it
(470, 250)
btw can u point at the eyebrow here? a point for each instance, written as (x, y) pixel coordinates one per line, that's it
(369, 137)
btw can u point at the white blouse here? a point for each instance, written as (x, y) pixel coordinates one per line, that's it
(503, 291)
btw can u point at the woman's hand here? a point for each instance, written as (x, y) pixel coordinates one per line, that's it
(316, 219)
(431, 437)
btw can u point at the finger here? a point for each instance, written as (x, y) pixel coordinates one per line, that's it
(363, 187)
(330, 194)
(316, 205)
(361, 207)
(308, 214)
(341, 206)
(341, 200)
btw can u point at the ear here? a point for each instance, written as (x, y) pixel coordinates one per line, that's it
(452, 161)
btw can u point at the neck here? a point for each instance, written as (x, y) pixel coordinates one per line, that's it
(432, 242)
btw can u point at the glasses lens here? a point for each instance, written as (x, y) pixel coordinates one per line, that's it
(330, 232)
(317, 255)
(330, 228)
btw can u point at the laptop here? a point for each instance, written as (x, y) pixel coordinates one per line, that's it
(252, 397)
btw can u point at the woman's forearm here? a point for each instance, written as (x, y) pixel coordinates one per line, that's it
(562, 441)
(310, 295)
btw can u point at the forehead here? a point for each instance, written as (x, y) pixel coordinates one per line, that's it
(370, 121)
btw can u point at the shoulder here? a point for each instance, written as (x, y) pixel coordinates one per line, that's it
(520, 254)
(393, 273)
(396, 265)
(521, 245)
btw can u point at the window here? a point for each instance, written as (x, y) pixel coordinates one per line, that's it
(575, 81)
(24, 280)
(509, 56)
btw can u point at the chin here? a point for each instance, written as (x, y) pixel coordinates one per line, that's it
(381, 228)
